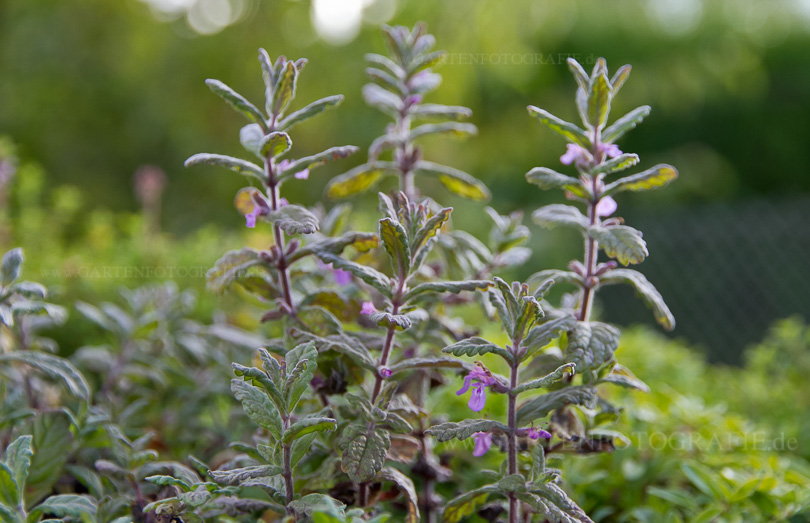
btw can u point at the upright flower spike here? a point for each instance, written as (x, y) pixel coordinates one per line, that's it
(478, 379)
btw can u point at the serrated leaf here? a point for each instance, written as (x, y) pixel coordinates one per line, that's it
(546, 178)
(18, 458)
(293, 219)
(284, 90)
(259, 378)
(452, 128)
(168, 481)
(350, 347)
(373, 277)
(621, 242)
(237, 476)
(442, 287)
(309, 111)
(541, 406)
(555, 214)
(395, 241)
(53, 367)
(301, 363)
(455, 181)
(275, 144)
(236, 100)
(567, 130)
(364, 454)
(52, 442)
(540, 335)
(644, 288)
(312, 504)
(553, 493)
(423, 363)
(386, 319)
(430, 229)
(306, 426)
(67, 506)
(316, 160)
(230, 267)
(652, 178)
(624, 124)
(464, 429)
(547, 380)
(258, 407)
(406, 486)
(476, 346)
(591, 344)
(236, 165)
(619, 163)
(599, 101)
(464, 505)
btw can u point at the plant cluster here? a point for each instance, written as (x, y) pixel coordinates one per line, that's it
(362, 336)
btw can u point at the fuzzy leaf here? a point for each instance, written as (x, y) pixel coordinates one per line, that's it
(422, 363)
(236, 100)
(230, 267)
(168, 481)
(619, 163)
(307, 426)
(430, 229)
(599, 101)
(579, 73)
(384, 100)
(309, 111)
(621, 375)
(53, 443)
(237, 476)
(82, 508)
(235, 164)
(652, 178)
(559, 276)
(541, 406)
(261, 379)
(405, 486)
(476, 347)
(591, 344)
(10, 491)
(316, 160)
(452, 128)
(386, 319)
(275, 144)
(621, 242)
(18, 458)
(442, 287)
(464, 505)
(294, 219)
(357, 180)
(11, 266)
(373, 277)
(285, 88)
(557, 496)
(646, 290)
(565, 129)
(540, 335)
(53, 367)
(258, 407)
(550, 179)
(365, 451)
(464, 429)
(302, 361)
(454, 112)
(455, 181)
(362, 241)
(547, 380)
(555, 214)
(624, 124)
(395, 241)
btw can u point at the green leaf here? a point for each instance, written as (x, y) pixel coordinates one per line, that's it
(235, 164)
(386, 319)
(10, 491)
(624, 124)
(591, 344)
(311, 504)
(239, 475)
(541, 406)
(619, 163)
(557, 275)
(237, 101)
(52, 443)
(579, 73)
(547, 380)
(395, 241)
(301, 363)
(11, 266)
(405, 486)
(555, 214)
(316, 160)
(293, 219)
(373, 277)
(618, 79)
(168, 481)
(546, 179)
(309, 111)
(258, 407)
(365, 451)
(284, 91)
(621, 242)
(275, 144)
(362, 241)
(565, 129)
(706, 480)
(230, 267)
(250, 136)
(357, 180)
(67, 506)
(652, 178)
(553, 493)
(453, 112)
(53, 367)
(512, 483)
(464, 429)
(540, 335)
(599, 101)
(18, 458)
(443, 287)
(464, 505)
(306, 426)
(382, 99)
(646, 290)
(259, 378)
(453, 128)
(476, 346)
(423, 363)
(621, 375)
(455, 181)
(30, 290)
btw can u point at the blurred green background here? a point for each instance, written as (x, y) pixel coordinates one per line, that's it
(91, 91)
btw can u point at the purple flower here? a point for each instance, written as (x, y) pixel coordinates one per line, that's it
(478, 379)
(483, 440)
(385, 373)
(611, 150)
(250, 218)
(577, 155)
(282, 202)
(368, 308)
(606, 206)
(302, 175)
(341, 277)
(534, 433)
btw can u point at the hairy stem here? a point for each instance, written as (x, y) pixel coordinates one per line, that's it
(511, 441)
(591, 245)
(403, 156)
(283, 276)
(287, 472)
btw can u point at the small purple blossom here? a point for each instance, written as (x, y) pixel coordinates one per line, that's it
(282, 202)
(483, 440)
(368, 308)
(302, 175)
(250, 218)
(606, 206)
(341, 277)
(478, 379)
(385, 373)
(534, 433)
(577, 155)
(611, 150)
